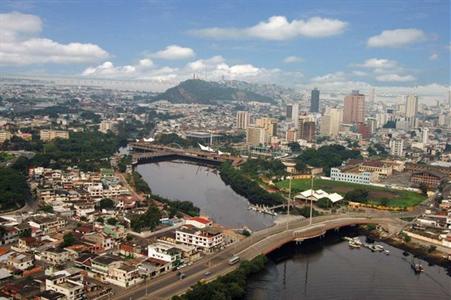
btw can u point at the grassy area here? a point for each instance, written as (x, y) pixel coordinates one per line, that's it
(377, 195)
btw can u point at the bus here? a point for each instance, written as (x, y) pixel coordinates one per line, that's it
(234, 259)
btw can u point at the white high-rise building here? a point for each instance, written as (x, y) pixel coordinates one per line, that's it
(331, 121)
(242, 119)
(372, 95)
(295, 114)
(397, 147)
(425, 137)
(411, 109)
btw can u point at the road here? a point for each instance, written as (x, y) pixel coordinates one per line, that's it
(260, 242)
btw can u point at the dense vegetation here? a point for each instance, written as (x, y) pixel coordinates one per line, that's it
(247, 187)
(14, 190)
(139, 184)
(175, 206)
(173, 138)
(263, 167)
(124, 162)
(147, 221)
(231, 286)
(325, 157)
(207, 92)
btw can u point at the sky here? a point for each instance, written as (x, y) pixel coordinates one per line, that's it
(340, 44)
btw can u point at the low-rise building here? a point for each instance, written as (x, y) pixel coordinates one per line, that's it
(207, 239)
(349, 176)
(48, 135)
(431, 179)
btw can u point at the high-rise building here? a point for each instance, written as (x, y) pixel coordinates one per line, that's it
(411, 109)
(242, 119)
(255, 135)
(270, 127)
(354, 108)
(372, 95)
(314, 101)
(330, 122)
(289, 111)
(397, 147)
(425, 136)
(308, 131)
(295, 114)
(292, 135)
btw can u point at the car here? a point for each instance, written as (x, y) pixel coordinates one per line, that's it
(182, 275)
(208, 273)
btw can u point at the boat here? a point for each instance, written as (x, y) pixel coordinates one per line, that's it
(353, 245)
(386, 252)
(357, 241)
(379, 248)
(416, 267)
(348, 238)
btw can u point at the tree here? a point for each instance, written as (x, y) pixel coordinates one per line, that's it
(424, 188)
(47, 208)
(324, 203)
(112, 221)
(68, 239)
(149, 220)
(294, 147)
(357, 195)
(106, 203)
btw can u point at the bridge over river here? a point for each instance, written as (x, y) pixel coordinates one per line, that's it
(145, 152)
(260, 242)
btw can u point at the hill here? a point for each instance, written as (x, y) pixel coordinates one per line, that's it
(208, 92)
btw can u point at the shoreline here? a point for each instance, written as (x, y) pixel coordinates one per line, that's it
(415, 249)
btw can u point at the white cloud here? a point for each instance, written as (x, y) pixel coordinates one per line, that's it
(396, 38)
(395, 78)
(359, 73)
(21, 46)
(379, 63)
(331, 77)
(108, 70)
(433, 56)
(292, 59)
(175, 52)
(278, 28)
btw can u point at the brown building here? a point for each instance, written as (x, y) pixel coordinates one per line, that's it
(308, 131)
(431, 179)
(354, 108)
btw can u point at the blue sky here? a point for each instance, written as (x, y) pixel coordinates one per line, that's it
(331, 43)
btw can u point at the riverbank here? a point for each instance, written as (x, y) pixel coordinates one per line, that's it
(417, 250)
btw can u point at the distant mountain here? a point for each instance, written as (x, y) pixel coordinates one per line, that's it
(279, 93)
(208, 92)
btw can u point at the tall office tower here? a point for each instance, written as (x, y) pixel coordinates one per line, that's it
(242, 119)
(331, 121)
(295, 114)
(314, 101)
(372, 95)
(411, 111)
(255, 135)
(397, 147)
(289, 111)
(425, 137)
(354, 108)
(308, 131)
(269, 125)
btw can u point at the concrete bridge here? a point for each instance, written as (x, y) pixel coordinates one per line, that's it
(144, 152)
(260, 242)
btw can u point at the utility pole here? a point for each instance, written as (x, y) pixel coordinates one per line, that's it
(311, 199)
(289, 197)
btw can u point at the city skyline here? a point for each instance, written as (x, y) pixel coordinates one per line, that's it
(288, 44)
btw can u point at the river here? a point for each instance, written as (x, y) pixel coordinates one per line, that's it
(328, 269)
(318, 269)
(203, 186)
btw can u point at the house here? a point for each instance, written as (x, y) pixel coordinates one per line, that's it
(112, 269)
(153, 267)
(20, 261)
(207, 239)
(198, 222)
(315, 195)
(97, 242)
(166, 252)
(47, 225)
(56, 256)
(70, 285)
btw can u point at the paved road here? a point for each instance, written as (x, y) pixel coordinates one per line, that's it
(261, 242)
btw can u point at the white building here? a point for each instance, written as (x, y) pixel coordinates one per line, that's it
(397, 147)
(164, 251)
(330, 122)
(106, 125)
(206, 239)
(411, 109)
(351, 177)
(242, 119)
(62, 282)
